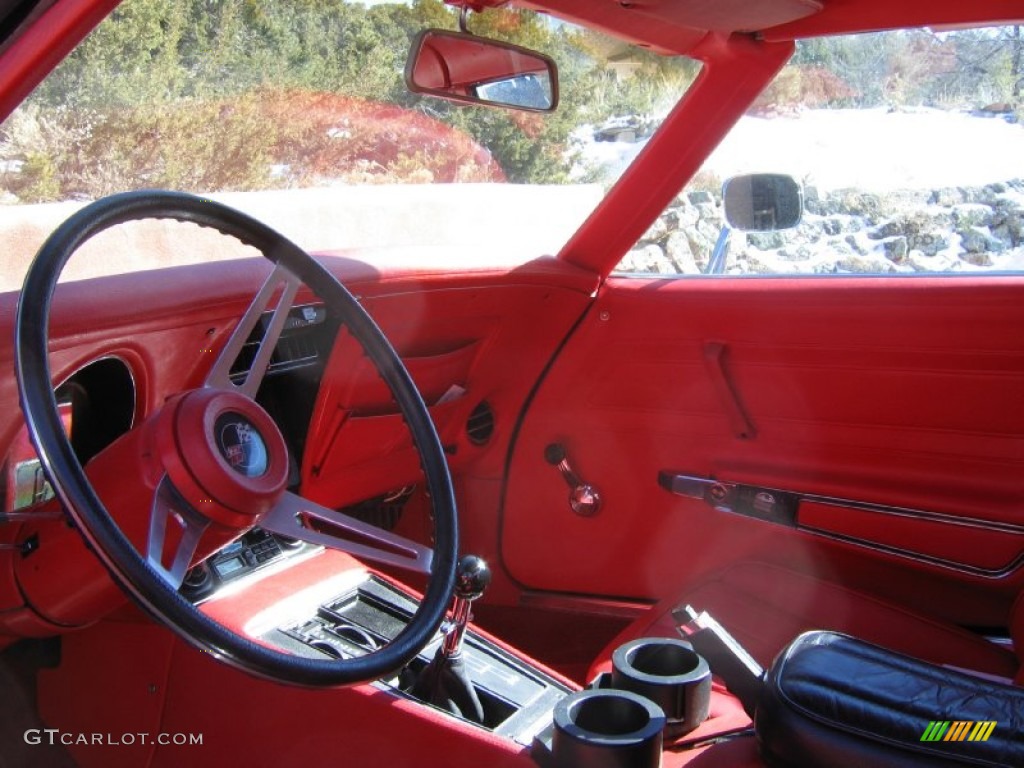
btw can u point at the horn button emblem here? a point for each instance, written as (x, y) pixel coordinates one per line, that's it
(241, 444)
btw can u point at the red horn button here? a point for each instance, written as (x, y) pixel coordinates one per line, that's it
(225, 455)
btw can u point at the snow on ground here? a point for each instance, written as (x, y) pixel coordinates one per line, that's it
(874, 149)
(918, 190)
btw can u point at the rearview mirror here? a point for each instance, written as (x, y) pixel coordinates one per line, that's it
(477, 70)
(762, 202)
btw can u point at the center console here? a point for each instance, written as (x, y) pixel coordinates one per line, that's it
(654, 699)
(517, 699)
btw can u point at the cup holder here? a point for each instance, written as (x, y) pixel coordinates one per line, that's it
(605, 728)
(671, 674)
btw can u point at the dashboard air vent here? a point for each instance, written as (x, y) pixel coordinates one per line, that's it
(480, 424)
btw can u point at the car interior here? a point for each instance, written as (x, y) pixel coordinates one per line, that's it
(324, 508)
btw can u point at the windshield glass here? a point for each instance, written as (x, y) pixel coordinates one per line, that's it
(299, 114)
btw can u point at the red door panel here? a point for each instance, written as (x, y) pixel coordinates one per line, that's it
(903, 393)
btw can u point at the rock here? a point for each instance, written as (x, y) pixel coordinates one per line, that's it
(929, 243)
(862, 265)
(977, 240)
(708, 212)
(884, 230)
(709, 231)
(656, 231)
(941, 263)
(838, 224)
(1002, 232)
(681, 217)
(971, 215)
(648, 259)
(855, 246)
(947, 197)
(978, 259)
(854, 202)
(701, 196)
(810, 228)
(832, 225)
(973, 240)
(748, 264)
(896, 249)
(766, 241)
(678, 251)
(799, 253)
(924, 220)
(812, 200)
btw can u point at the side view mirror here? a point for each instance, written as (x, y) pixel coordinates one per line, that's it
(762, 202)
(477, 70)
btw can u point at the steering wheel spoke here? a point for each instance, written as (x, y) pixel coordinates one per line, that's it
(169, 506)
(303, 519)
(219, 376)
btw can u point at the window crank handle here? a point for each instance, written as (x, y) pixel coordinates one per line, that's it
(584, 499)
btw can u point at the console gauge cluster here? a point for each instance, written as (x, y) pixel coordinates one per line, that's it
(254, 551)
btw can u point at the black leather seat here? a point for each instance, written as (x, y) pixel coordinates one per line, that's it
(832, 700)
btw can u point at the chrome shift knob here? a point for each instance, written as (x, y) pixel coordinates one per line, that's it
(472, 575)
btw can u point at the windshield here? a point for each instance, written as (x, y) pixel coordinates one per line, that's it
(298, 113)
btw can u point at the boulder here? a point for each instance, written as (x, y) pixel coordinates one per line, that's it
(863, 265)
(798, 253)
(647, 259)
(701, 197)
(921, 262)
(681, 217)
(854, 242)
(656, 231)
(854, 202)
(812, 200)
(896, 249)
(680, 254)
(885, 230)
(983, 259)
(948, 196)
(971, 215)
(766, 241)
(977, 240)
(929, 243)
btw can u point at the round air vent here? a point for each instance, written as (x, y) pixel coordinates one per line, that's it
(480, 424)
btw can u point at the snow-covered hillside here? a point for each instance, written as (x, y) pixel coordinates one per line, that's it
(870, 149)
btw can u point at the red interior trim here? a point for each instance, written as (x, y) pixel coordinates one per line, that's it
(849, 16)
(735, 71)
(43, 45)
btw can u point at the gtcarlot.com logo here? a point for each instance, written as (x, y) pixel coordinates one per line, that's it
(53, 736)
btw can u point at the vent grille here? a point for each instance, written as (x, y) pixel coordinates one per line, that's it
(381, 511)
(480, 424)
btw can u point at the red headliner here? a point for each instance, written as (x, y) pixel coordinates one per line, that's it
(677, 26)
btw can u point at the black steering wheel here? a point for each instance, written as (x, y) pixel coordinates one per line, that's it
(218, 463)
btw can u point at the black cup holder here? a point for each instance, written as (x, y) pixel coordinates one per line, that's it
(604, 728)
(671, 674)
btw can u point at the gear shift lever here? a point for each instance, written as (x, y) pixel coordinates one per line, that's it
(471, 579)
(445, 681)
